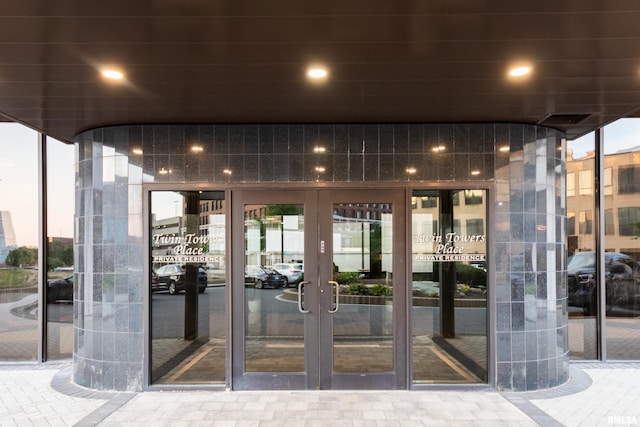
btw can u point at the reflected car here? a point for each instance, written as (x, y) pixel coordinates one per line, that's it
(261, 277)
(622, 283)
(293, 273)
(60, 290)
(172, 278)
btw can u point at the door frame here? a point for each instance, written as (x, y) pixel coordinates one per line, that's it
(319, 373)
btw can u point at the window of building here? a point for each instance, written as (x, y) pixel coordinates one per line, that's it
(629, 221)
(609, 226)
(429, 202)
(571, 184)
(628, 179)
(585, 182)
(585, 222)
(608, 181)
(473, 197)
(571, 223)
(475, 226)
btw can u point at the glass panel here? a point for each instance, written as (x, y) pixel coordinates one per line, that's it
(449, 282)
(581, 296)
(363, 268)
(274, 254)
(187, 287)
(60, 280)
(622, 267)
(18, 243)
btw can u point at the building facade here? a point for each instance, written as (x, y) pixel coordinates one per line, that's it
(496, 193)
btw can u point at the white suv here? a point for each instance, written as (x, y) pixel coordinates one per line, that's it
(293, 272)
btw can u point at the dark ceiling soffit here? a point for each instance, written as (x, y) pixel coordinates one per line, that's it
(563, 120)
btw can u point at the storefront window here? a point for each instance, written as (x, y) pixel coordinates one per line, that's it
(60, 265)
(622, 260)
(581, 277)
(187, 287)
(18, 243)
(449, 286)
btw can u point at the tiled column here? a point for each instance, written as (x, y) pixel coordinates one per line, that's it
(108, 258)
(531, 317)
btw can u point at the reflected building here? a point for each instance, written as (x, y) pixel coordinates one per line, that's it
(7, 236)
(621, 198)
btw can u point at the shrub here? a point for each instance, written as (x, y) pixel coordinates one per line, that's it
(346, 278)
(381, 290)
(359, 289)
(470, 275)
(464, 289)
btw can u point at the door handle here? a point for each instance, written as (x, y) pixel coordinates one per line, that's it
(300, 304)
(336, 306)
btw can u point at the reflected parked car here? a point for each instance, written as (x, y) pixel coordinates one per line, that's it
(293, 273)
(60, 290)
(172, 278)
(260, 277)
(622, 283)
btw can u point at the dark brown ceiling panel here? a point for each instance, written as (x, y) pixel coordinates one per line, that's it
(389, 61)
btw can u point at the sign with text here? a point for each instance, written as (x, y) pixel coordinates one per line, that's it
(189, 248)
(429, 246)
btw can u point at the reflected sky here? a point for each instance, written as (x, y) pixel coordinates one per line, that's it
(19, 183)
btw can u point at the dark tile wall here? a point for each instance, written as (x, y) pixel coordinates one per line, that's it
(115, 162)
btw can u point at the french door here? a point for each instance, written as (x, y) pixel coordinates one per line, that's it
(319, 291)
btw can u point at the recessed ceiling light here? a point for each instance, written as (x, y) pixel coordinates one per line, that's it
(137, 151)
(320, 169)
(475, 172)
(227, 171)
(319, 149)
(520, 70)
(411, 170)
(197, 149)
(504, 149)
(317, 73)
(112, 74)
(438, 148)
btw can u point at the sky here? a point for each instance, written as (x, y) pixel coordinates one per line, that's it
(620, 135)
(19, 183)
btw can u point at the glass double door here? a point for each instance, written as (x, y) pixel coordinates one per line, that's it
(319, 289)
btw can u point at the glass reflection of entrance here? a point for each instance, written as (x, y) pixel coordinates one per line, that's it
(320, 286)
(187, 288)
(449, 286)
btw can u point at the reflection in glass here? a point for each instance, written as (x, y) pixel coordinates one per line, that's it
(60, 267)
(622, 243)
(581, 273)
(274, 256)
(449, 311)
(187, 287)
(363, 269)
(18, 243)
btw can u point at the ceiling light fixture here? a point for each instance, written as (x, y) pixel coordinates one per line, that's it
(112, 74)
(319, 149)
(320, 169)
(438, 148)
(317, 73)
(520, 71)
(411, 170)
(197, 149)
(504, 149)
(475, 172)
